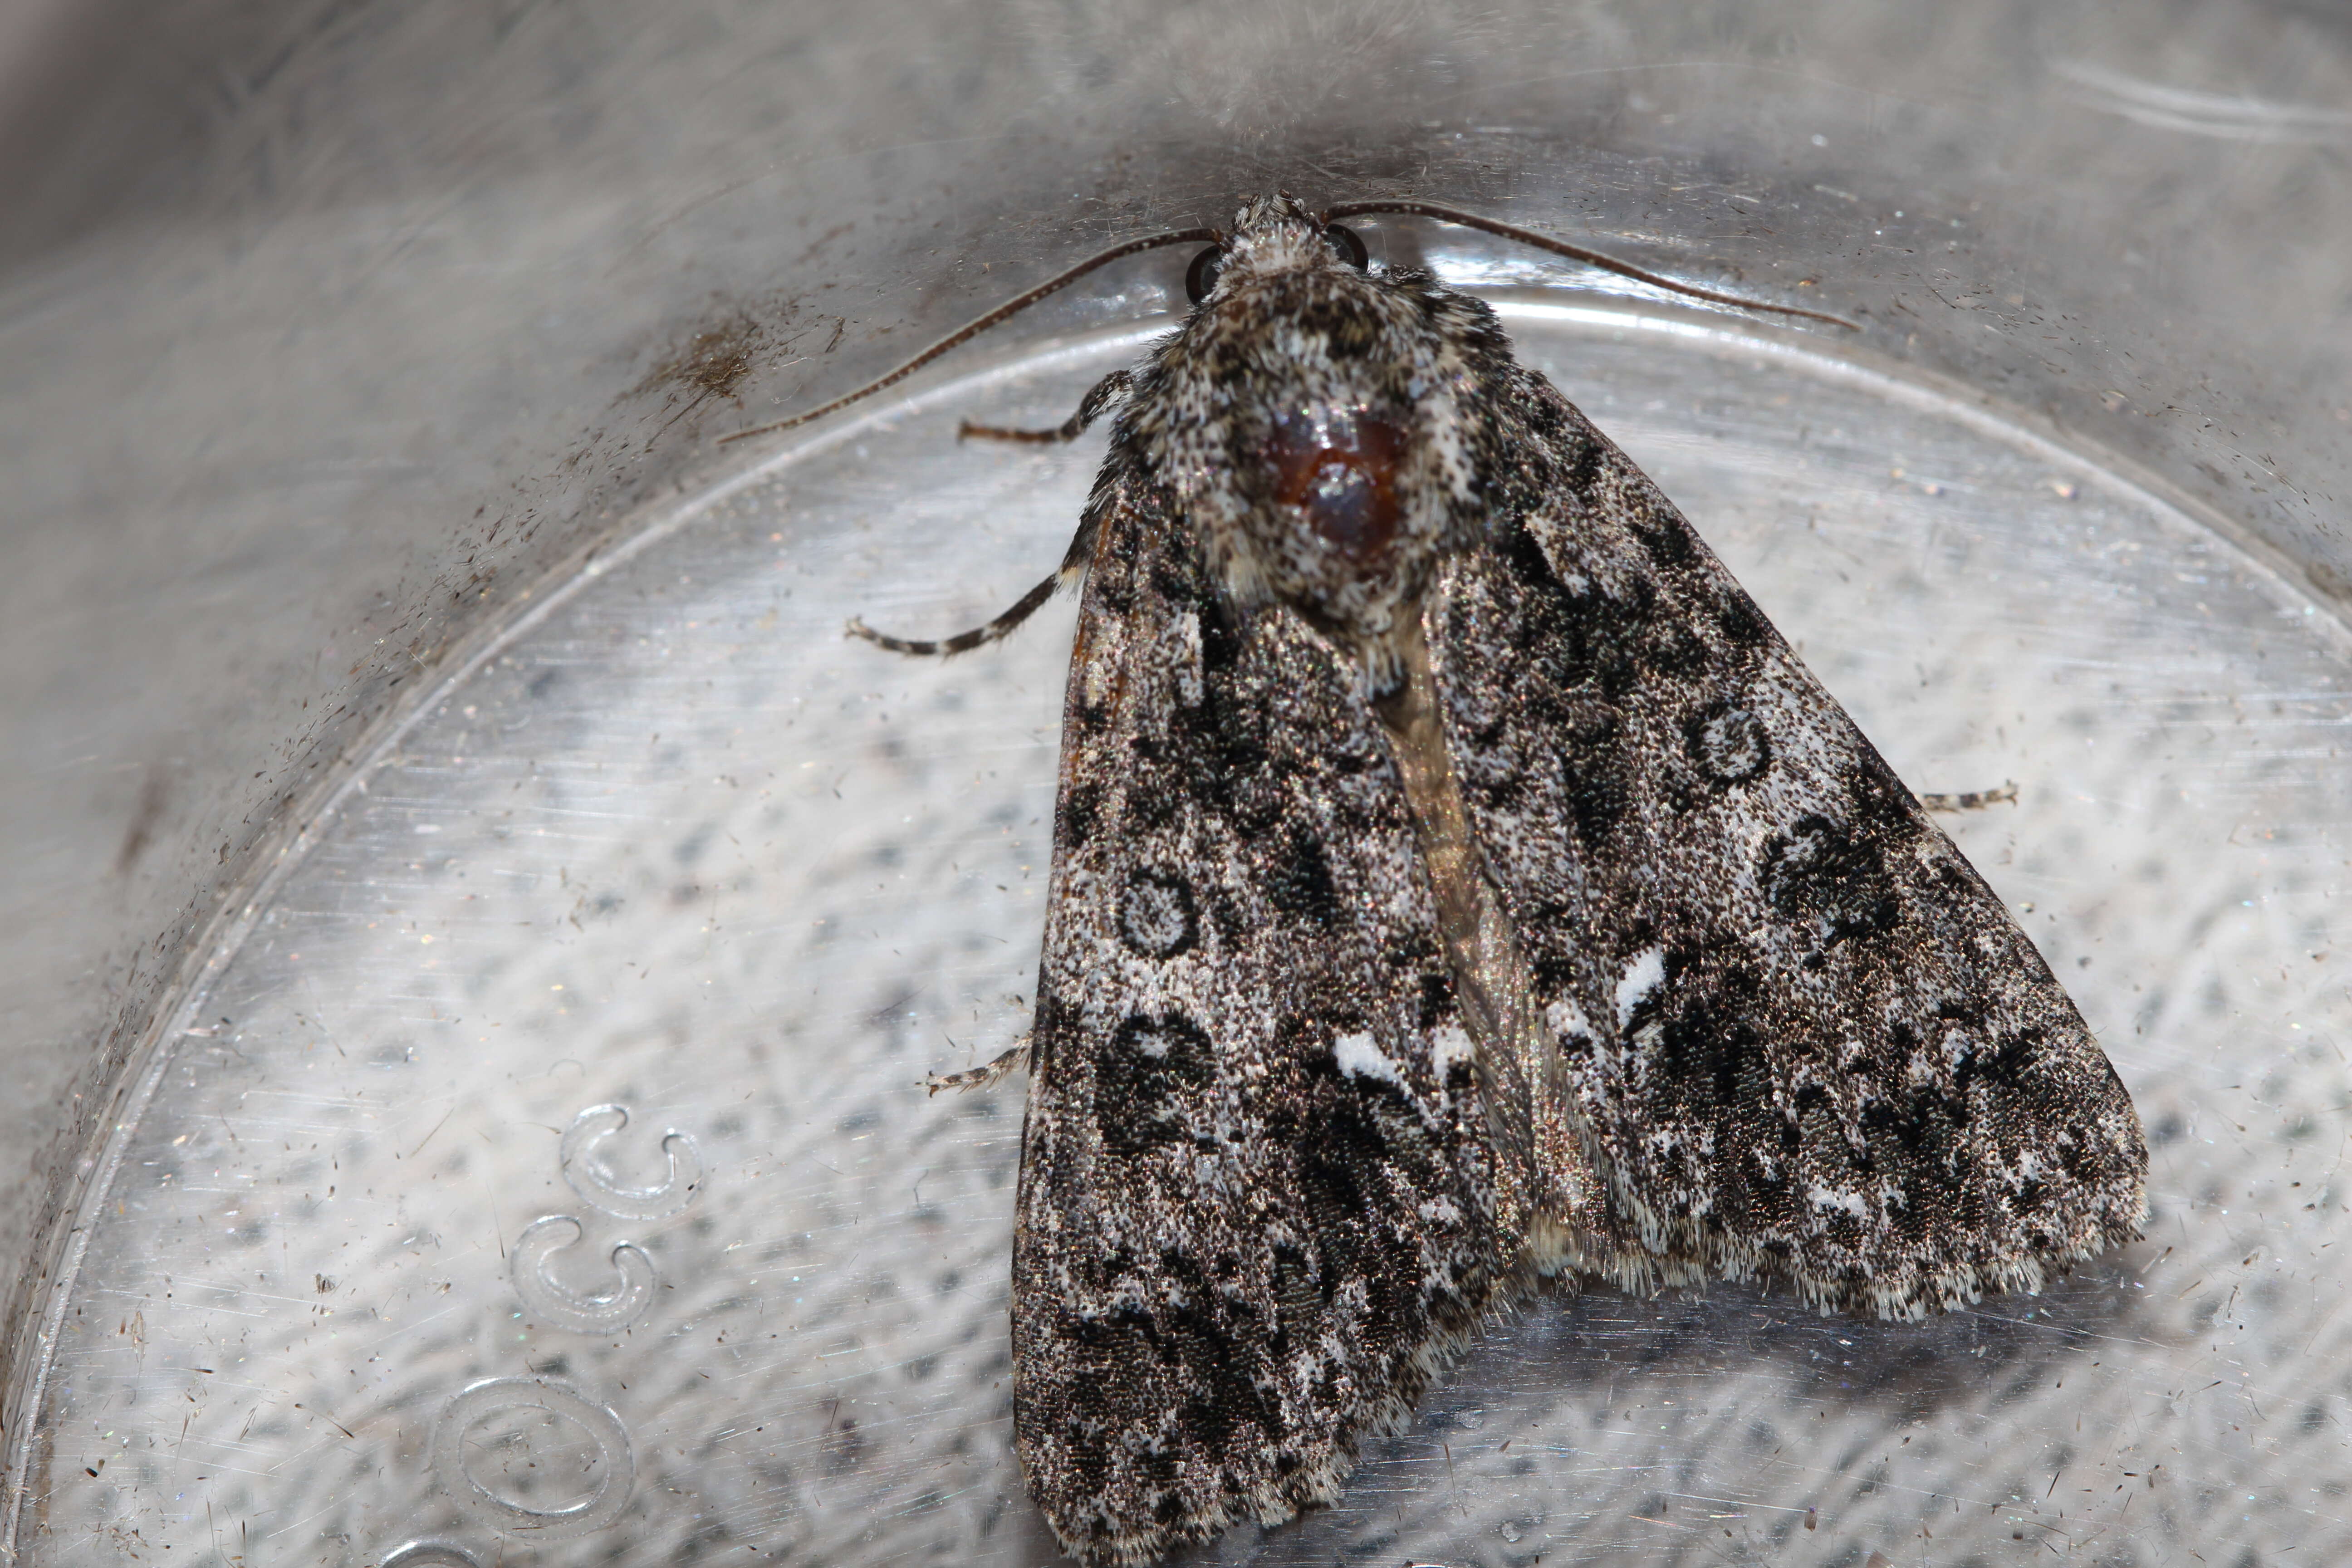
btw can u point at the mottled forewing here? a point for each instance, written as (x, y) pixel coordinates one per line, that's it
(1804, 1039)
(1251, 1216)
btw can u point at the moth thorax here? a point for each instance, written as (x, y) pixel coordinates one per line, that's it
(1337, 471)
(1334, 516)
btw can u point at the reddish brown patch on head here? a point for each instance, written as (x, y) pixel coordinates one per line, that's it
(1341, 472)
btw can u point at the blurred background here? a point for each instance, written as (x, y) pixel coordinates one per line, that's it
(333, 333)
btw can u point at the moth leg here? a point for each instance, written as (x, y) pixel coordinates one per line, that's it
(1971, 800)
(1010, 1061)
(1074, 567)
(962, 642)
(1107, 390)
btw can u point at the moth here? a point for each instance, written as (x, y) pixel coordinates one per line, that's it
(1458, 885)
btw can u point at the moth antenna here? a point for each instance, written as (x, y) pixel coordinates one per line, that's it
(962, 334)
(1576, 253)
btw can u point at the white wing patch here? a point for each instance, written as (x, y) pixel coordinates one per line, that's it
(1644, 975)
(1358, 1057)
(1567, 1021)
(1185, 632)
(1827, 1198)
(1449, 1044)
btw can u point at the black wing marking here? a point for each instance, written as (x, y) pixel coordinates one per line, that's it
(1805, 1038)
(1253, 1216)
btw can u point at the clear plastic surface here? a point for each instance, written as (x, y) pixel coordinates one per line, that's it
(544, 1174)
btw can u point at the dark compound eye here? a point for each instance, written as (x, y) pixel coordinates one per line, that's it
(1201, 276)
(1348, 244)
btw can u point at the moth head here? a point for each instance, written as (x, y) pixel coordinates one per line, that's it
(1273, 233)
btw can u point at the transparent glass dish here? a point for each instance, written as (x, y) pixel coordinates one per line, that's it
(544, 1172)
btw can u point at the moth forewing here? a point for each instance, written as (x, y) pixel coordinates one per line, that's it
(1819, 1049)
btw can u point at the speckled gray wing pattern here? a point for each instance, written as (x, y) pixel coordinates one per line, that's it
(1253, 1216)
(1805, 1038)
(1404, 711)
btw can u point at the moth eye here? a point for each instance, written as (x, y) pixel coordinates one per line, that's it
(1349, 244)
(1201, 276)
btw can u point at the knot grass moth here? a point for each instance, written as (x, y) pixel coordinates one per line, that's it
(1458, 884)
